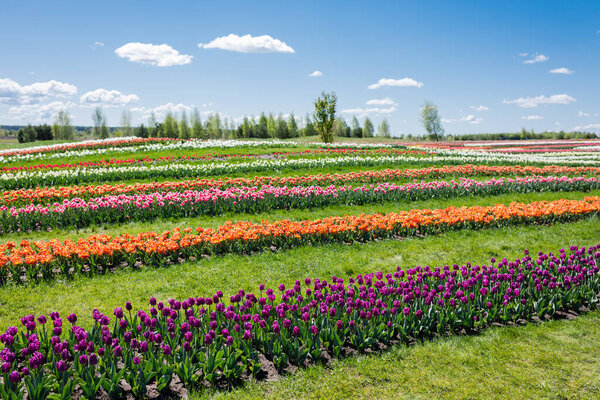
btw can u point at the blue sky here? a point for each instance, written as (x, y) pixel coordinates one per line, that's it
(485, 64)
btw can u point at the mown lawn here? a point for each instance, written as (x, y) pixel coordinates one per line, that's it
(553, 360)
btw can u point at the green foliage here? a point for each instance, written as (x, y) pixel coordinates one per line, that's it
(100, 129)
(292, 126)
(26, 134)
(431, 120)
(142, 131)
(197, 128)
(184, 127)
(368, 128)
(356, 129)
(169, 128)
(324, 116)
(341, 129)
(384, 129)
(309, 127)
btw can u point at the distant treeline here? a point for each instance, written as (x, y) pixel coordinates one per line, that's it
(525, 135)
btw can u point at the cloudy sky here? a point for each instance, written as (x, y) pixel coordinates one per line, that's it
(490, 66)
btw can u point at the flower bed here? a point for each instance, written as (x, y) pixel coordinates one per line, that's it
(87, 191)
(99, 253)
(80, 213)
(207, 340)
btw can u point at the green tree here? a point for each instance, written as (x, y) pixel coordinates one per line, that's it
(142, 131)
(56, 131)
(169, 126)
(384, 129)
(324, 116)
(126, 123)
(64, 123)
(281, 128)
(355, 127)
(27, 134)
(197, 129)
(431, 120)
(292, 126)
(43, 132)
(247, 128)
(184, 127)
(100, 129)
(271, 126)
(368, 128)
(340, 128)
(152, 125)
(214, 126)
(262, 129)
(309, 127)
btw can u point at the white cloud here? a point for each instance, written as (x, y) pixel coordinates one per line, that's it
(589, 127)
(527, 102)
(315, 74)
(479, 108)
(13, 93)
(561, 70)
(97, 44)
(163, 109)
(363, 112)
(107, 98)
(248, 44)
(386, 101)
(582, 114)
(404, 82)
(532, 117)
(467, 118)
(523, 54)
(160, 55)
(39, 112)
(536, 59)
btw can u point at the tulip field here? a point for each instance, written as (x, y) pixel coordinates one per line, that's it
(167, 268)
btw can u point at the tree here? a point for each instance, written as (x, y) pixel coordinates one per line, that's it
(431, 120)
(309, 128)
(214, 126)
(27, 134)
(368, 128)
(384, 129)
(247, 128)
(65, 130)
(271, 126)
(43, 132)
(152, 125)
(100, 129)
(262, 129)
(197, 130)
(169, 126)
(281, 128)
(355, 127)
(340, 128)
(324, 116)
(142, 131)
(184, 128)
(126, 123)
(292, 126)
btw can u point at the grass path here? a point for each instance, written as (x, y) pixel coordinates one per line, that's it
(553, 360)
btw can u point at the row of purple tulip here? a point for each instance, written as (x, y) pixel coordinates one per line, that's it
(222, 338)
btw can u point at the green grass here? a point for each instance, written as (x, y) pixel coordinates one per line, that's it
(553, 360)
(233, 272)
(294, 214)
